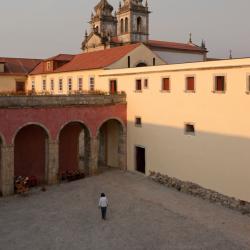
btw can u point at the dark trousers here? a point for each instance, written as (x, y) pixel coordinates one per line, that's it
(104, 212)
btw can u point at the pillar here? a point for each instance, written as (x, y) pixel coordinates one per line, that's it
(94, 149)
(122, 151)
(7, 170)
(53, 163)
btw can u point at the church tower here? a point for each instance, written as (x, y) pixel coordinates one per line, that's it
(103, 27)
(133, 21)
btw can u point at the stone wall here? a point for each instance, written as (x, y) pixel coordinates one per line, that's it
(198, 191)
(63, 100)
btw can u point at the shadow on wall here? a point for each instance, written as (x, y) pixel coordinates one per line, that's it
(214, 161)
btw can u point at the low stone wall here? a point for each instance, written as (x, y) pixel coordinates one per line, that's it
(206, 194)
(60, 100)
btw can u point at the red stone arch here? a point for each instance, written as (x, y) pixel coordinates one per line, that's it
(74, 147)
(111, 136)
(31, 145)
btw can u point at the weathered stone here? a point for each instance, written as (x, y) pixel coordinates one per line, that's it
(196, 190)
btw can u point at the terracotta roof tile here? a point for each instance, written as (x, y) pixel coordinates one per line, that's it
(175, 46)
(61, 57)
(91, 60)
(18, 66)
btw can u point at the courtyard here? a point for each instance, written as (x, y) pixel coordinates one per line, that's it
(142, 215)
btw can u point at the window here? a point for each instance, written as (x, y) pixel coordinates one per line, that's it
(48, 66)
(220, 84)
(52, 85)
(92, 83)
(190, 84)
(189, 129)
(122, 26)
(20, 87)
(126, 24)
(145, 83)
(60, 85)
(165, 84)
(139, 24)
(138, 122)
(44, 85)
(128, 61)
(154, 61)
(248, 84)
(138, 85)
(80, 84)
(33, 85)
(69, 84)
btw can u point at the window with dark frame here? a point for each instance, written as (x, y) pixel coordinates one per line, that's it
(92, 83)
(189, 129)
(145, 83)
(220, 84)
(52, 86)
(44, 85)
(165, 84)
(20, 87)
(138, 122)
(60, 85)
(190, 84)
(138, 85)
(33, 85)
(80, 84)
(70, 84)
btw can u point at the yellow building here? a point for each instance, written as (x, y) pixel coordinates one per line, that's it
(190, 121)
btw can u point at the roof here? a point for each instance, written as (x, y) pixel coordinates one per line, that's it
(175, 46)
(91, 60)
(18, 66)
(61, 57)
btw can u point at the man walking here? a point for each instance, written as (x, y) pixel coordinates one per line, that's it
(103, 204)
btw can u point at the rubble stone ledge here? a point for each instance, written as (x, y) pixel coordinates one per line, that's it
(198, 191)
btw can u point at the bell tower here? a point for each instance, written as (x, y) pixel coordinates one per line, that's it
(133, 21)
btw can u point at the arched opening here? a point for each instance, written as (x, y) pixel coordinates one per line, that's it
(112, 144)
(31, 153)
(126, 24)
(74, 148)
(139, 24)
(141, 64)
(122, 26)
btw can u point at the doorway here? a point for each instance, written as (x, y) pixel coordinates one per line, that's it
(113, 87)
(140, 159)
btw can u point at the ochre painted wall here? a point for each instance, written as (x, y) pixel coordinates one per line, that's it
(217, 157)
(8, 83)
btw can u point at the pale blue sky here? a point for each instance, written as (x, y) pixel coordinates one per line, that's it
(43, 28)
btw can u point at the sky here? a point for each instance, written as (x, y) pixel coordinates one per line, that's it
(43, 28)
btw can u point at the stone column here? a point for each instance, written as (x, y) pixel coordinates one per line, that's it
(122, 151)
(7, 170)
(94, 149)
(53, 163)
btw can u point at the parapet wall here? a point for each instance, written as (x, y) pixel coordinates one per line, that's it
(60, 100)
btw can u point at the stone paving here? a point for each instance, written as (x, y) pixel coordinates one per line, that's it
(142, 215)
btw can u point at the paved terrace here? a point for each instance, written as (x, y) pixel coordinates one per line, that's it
(143, 215)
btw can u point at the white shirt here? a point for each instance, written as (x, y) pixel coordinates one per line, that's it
(103, 202)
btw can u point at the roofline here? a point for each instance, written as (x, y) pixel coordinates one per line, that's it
(207, 65)
(22, 58)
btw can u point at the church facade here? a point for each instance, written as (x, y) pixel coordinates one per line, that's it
(130, 24)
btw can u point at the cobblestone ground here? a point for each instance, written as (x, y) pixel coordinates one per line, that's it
(142, 215)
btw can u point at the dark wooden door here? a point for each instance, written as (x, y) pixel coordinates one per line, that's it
(140, 159)
(113, 87)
